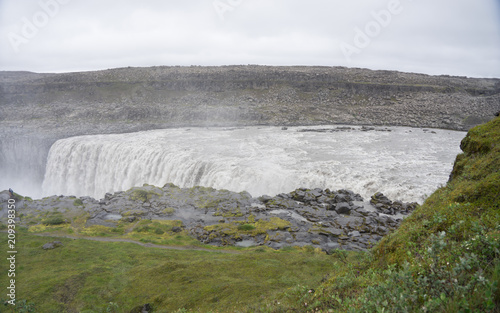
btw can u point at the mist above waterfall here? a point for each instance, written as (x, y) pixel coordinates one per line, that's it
(403, 163)
(22, 163)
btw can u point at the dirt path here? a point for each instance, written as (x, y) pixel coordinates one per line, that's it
(148, 245)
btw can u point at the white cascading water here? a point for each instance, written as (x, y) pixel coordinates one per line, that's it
(405, 163)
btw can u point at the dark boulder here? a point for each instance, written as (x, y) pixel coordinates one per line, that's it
(343, 208)
(129, 219)
(52, 245)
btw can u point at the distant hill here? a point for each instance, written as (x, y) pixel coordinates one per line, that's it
(158, 97)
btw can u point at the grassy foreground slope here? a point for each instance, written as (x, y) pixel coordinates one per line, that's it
(94, 277)
(443, 258)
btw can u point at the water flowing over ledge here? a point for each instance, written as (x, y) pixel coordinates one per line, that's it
(403, 163)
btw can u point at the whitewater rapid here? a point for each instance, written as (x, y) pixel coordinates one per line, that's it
(403, 163)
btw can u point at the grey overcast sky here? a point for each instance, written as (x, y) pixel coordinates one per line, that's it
(454, 37)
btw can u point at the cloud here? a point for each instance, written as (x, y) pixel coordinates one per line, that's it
(458, 37)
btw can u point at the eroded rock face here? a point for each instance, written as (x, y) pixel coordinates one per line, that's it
(321, 218)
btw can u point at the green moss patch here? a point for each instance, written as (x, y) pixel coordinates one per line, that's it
(236, 229)
(143, 195)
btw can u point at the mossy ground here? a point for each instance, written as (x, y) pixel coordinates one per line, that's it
(250, 227)
(147, 231)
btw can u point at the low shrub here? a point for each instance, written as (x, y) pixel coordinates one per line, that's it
(246, 227)
(437, 284)
(56, 220)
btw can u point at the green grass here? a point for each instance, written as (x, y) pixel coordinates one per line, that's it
(88, 275)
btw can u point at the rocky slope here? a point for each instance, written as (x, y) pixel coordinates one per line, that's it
(321, 218)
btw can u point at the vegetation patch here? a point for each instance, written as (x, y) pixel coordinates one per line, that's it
(55, 220)
(97, 230)
(236, 212)
(246, 227)
(156, 227)
(162, 232)
(41, 228)
(169, 211)
(142, 195)
(237, 229)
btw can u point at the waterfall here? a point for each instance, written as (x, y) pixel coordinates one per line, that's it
(404, 164)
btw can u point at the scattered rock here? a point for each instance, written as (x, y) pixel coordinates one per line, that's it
(52, 245)
(343, 208)
(354, 234)
(146, 308)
